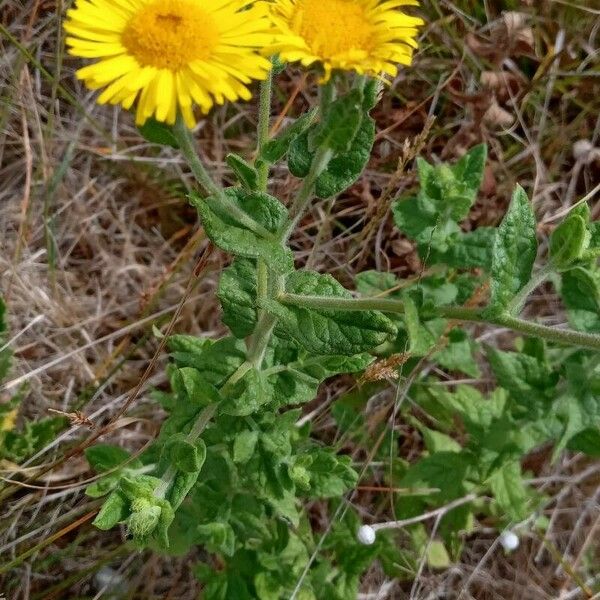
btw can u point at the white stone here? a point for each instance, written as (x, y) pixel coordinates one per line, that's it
(366, 535)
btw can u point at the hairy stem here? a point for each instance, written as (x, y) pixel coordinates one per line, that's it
(305, 195)
(199, 426)
(186, 145)
(264, 114)
(518, 302)
(568, 337)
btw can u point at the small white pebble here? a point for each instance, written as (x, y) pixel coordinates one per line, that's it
(366, 535)
(509, 541)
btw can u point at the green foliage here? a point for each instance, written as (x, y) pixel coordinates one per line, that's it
(158, 133)
(274, 150)
(246, 174)
(325, 331)
(246, 225)
(349, 131)
(514, 252)
(568, 242)
(236, 461)
(446, 194)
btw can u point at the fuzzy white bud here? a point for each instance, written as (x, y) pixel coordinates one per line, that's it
(509, 541)
(366, 535)
(582, 149)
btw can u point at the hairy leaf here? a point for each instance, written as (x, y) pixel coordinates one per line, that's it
(346, 167)
(246, 173)
(509, 491)
(326, 331)
(237, 293)
(237, 236)
(158, 133)
(275, 149)
(567, 242)
(514, 253)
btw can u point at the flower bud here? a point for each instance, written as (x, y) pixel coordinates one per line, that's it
(144, 520)
(366, 535)
(509, 541)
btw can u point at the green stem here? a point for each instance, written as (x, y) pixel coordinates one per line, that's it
(518, 302)
(305, 195)
(352, 304)
(168, 477)
(264, 114)
(186, 145)
(475, 315)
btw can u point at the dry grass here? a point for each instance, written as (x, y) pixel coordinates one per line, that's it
(98, 247)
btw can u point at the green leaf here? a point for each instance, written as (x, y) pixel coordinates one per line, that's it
(274, 150)
(376, 283)
(300, 156)
(443, 470)
(586, 441)
(458, 354)
(469, 169)
(327, 331)
(527, 378)
(580, 291)
(509, 491)
(436, 441)
(248, 395)
(331, 476)
(195, 388)
(412, 220)
(246, 174)
(267, 587)
(437, 555)
(104, 457)
(567, 242)
(180, 488)
(421, 340)
(594, 229)
(244, 445)
(237, 293)
(340, 123)
(238, 235)
(218, 361)
(158, 133)
(187, 349)
(114, 510)
(185, 455)
(346, 167)
(299, 381)
(475, 410)
(218, 537)
(103, 486)
(514, 253)
(470, 250)
(371, 93)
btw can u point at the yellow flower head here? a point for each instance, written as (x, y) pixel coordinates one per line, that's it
(367, 36)
(169, 54)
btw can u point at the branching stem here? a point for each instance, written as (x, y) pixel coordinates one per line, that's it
(567, 337)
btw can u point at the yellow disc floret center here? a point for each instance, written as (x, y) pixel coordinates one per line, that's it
(169, 34)
(333, 27)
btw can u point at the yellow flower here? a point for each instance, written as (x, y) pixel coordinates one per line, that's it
(169, 54)
(367, 36)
